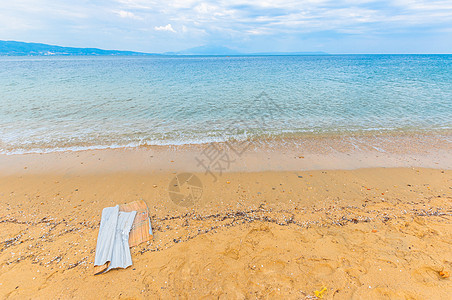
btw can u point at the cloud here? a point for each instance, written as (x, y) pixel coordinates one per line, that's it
(168, 27)
(127, 14)
(243, 24)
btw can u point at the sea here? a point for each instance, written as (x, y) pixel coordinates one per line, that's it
(59, 103)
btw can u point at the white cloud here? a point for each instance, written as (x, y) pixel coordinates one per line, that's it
(165, 28)
(127, 14)
(135, 24)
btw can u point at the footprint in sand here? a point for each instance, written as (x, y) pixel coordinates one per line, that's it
(428, 275)
(257, 234)
(322, 270)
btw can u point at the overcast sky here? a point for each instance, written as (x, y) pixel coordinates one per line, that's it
(350, 26)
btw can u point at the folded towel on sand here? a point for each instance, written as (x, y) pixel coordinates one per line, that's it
(121, 227)
(112, 249)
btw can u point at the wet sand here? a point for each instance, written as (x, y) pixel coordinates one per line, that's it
(274, 224)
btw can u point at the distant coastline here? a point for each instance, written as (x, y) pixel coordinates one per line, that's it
(15, 48)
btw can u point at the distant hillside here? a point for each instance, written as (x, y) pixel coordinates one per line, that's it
(21, 48)
(220, 50)
(291, 53)
(206, 50)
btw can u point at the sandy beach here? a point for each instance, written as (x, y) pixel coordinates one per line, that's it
(226, 150)
(275, 224)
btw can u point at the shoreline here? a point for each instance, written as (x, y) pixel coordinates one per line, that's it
(369, 138)
(319, 153)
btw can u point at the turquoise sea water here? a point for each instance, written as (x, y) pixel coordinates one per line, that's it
(59, 103)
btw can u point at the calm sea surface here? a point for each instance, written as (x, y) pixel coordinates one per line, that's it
(60, 103)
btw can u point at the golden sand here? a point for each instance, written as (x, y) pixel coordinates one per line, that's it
(366, 233)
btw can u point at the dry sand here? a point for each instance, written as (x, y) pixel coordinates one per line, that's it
(286, 232)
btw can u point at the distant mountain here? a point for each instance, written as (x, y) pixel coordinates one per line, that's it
(206, 50)
(21, 48)
(291, 53)
(220, 50)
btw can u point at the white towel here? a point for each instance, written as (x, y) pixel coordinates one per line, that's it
(113, 239)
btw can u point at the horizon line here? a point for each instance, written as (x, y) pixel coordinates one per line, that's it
(175, 53)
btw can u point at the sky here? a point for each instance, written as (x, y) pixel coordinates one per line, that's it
(349, 26)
